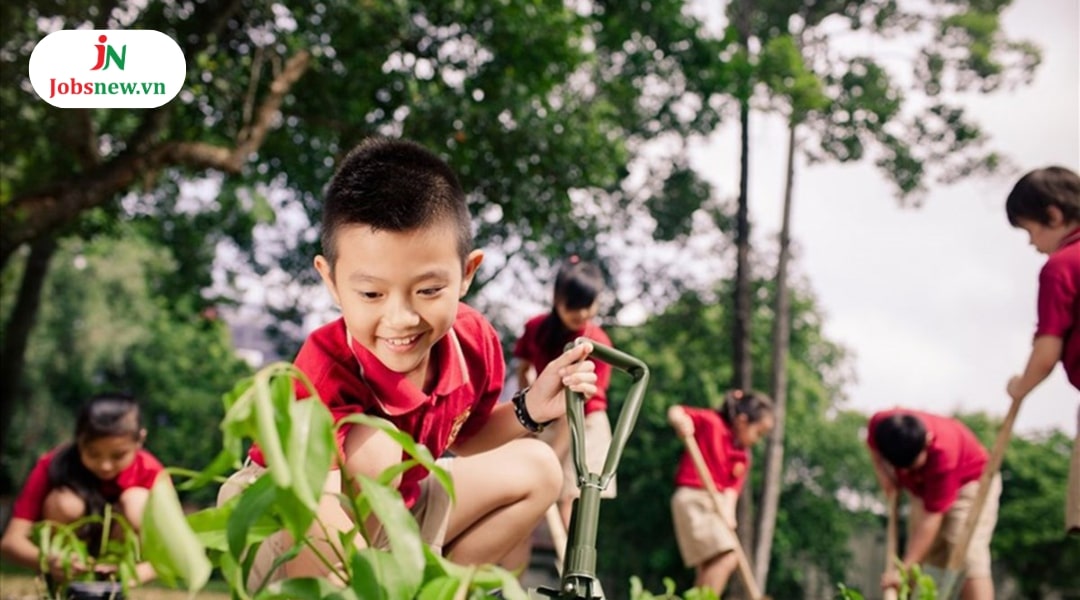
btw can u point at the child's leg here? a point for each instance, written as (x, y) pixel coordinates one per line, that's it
(715, 572)
(1072, 489)
(501, 496)
(63, 506)
(978, 588)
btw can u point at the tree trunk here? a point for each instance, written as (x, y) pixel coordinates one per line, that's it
(774, 450)
(19, 325)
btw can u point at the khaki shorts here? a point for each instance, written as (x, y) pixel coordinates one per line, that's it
(699, 530)
(432, 512)
(977, 562)
(597, 444)
(1072, 491)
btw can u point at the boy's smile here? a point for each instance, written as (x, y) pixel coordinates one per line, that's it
(399, 291)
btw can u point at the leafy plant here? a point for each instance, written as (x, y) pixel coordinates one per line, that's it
(114, 560)
(638, 592)
(914, 585)
(298, 442)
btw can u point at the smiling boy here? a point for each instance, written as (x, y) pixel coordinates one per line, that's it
(1046, 204)
(397, 258)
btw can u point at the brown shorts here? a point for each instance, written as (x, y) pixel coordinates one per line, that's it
(1072, 490)
(977, 562)
(432, 512)
(699, 529)
(597, 444)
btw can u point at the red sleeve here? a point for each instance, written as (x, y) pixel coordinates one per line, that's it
(491, 374)
(526, 346)
(1055, 301)
(28, 504)
(599, 401)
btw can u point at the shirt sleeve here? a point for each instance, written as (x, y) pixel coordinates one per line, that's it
(1055, 299)
(489, 391)
(32, 496)
(525, 347)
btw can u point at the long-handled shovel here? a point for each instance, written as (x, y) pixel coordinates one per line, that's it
(745, 573)
(890, 544)
(951, 581)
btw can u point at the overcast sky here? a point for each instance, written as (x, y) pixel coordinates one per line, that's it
(937, 304)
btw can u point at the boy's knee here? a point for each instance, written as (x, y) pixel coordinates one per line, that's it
(62, 505)
(539, 459)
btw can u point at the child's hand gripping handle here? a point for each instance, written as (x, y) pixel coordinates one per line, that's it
(745, 572)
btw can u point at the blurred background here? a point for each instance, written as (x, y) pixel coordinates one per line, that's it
(802, 197)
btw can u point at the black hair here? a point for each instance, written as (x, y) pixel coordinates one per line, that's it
(393, 185)
(755, 405)
(577, 285)
(1040, 189)
(899, 439)
(104, 415)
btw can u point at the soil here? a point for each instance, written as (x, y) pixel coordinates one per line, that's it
(24, 587)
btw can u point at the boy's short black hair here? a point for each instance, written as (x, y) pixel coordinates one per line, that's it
(900, 438)
(393, 185)
(1040, 189)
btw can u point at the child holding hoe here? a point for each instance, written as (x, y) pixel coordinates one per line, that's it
(706, 539)
(1046, 204)
(397, 258)
(939, 461)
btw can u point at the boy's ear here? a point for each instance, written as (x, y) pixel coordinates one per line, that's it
(1057, 218)
(472, 263)
(326, 272)
(142, 436)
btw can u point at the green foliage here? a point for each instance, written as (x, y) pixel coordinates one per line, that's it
(638, 592)
(297, 440)
(114, 557)
(914, 585)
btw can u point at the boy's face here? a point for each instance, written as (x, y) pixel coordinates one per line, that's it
(399, 291)
(1046, 237)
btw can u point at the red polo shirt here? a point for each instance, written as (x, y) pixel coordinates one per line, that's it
(727, 461)
(1059, 302)
(352, 380)
(142, 473)
(530, 348)
(954, 458)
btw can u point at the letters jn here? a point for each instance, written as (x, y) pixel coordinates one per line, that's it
(107, 55)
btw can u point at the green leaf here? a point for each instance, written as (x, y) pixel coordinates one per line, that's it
(306, 588)
(254, 502)
(168, 541)
(310, 449)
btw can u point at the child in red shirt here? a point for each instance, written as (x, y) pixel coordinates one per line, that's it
(707, 539)
(1046, 204)
(397, 258)
(106, 464)
(576, 301)
(939, 462)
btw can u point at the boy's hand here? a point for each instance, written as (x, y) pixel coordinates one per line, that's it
(545, 400)
(890, 579)
(1015, 388)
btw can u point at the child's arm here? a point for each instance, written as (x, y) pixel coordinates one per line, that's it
(680, 421)
(922, 538)
(544, 401)
(730, 498)
(1045, 353)
(884, 472)
(525, 373)
(16, 545)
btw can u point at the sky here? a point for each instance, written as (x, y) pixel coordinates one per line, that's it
(936, 304)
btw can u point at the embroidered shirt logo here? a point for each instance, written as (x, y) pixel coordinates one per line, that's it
(459, 421)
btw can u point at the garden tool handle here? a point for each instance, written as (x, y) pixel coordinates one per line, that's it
(891, 543)
(959, 552)
(745, 572)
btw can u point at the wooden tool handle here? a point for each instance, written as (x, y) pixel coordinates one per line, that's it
(745, 573)
(891, 544)
(959, 551)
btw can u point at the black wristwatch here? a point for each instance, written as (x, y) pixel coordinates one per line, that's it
(522, 413)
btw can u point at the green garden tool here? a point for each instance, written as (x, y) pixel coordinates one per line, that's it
(578, 580)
